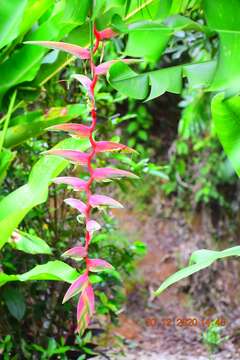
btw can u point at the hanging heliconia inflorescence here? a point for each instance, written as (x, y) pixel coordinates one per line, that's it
(82, 285)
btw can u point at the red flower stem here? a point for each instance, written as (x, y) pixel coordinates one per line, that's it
(92, 141)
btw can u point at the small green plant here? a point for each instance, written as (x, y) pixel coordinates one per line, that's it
(6, 346)
(212, 338)
(53, 348)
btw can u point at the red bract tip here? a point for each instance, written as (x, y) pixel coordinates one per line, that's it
(74, 156)
(77, 130)
(102, 200)
(102, 146)
(107, 34)
(77, 204)
(92, 226)
(85, 308)
(76, 287)
(108, 173)
(76, 183)
(77, 253)
(96, 265)
(86, 82)
(75, 50)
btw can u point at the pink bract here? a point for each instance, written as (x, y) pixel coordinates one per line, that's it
(76, 287)
(77, 204)
(75, 50)
(77, 130)
(74, 156)
(108, 173)
(102, 146)
(77, 252)
(96, 265)
(101, 200)
(76, 183)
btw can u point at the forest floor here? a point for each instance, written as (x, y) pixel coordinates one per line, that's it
(152, 327)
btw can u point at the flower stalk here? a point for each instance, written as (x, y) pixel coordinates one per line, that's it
(82, 284)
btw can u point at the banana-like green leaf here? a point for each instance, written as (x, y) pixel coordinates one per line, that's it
(32, 125)
(199, 260)
(33, 11)
(180, 6)
(10, 20)
(138, 86)
(15, 206)
(226, 117)
(220, 16)
(24, 63)
(52, 270)
(169, 79)
(148, 40)
(128, 82)
(28, 243)
(18, 16)
(147, 10)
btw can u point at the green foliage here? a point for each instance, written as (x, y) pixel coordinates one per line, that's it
(53, 270)
(184, 44)
(24, 63)
(16, 205)
(212, 336)
(226, 117)
(15, 302)
(199, 260)
(29, 243)
(142, 45)
(32, 124)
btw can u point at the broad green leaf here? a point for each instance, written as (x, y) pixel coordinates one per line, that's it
(18, 16)
(180, 6)
(24, 63)
(15, 302)
(33, 11)
(33, 126)
(147, 40)
(135, 85)
(52, 270)
(220, 14)
(4, 278)
(199, 260)
(168, 79)
(220, 18)
(15, 206)
(103, 12)
(128, 82)
(184, 23)
(200, 74)
(10, 20)
(148, 10)
(226, 117)
(6, 157)
(77, 11)
(28, 243)
(25, 118)
(227, 75)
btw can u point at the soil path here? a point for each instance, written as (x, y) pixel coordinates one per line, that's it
(152, 327)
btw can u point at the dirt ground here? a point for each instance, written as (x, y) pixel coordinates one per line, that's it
(154, 329)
